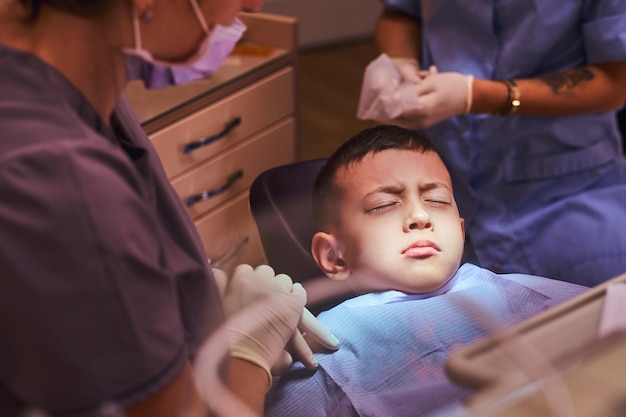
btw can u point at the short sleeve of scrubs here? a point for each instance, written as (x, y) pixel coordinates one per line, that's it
(604, 30)
(87, 304)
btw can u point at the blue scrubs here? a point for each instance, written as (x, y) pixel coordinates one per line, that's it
(540, 195)
(393, 346)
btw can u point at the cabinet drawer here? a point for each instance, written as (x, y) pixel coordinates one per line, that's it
(230, 236)
(231, 172)
(255, 107)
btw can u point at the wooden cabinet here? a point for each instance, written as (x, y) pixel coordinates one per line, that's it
(215, 136)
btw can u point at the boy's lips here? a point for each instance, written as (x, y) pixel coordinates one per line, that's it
(421, 249)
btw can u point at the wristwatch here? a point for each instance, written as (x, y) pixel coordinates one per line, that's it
(512, 102)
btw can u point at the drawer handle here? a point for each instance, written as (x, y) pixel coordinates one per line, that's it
(231, 251)
(205, 195)
(227, 128)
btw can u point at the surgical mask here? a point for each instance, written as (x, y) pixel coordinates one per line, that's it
(212, 51)
(221, 43)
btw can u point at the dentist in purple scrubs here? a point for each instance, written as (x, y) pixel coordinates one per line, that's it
(106, 296)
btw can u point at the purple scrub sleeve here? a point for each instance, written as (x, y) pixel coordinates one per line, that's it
(105, 291)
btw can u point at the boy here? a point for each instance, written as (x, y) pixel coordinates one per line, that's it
(388, 225)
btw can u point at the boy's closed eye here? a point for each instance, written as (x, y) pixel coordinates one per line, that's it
(382, 207)
(438, 202)
(437, 198)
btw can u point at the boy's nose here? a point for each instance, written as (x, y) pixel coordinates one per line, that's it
(417, 219)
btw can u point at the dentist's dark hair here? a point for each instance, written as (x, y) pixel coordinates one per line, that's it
(326, 193)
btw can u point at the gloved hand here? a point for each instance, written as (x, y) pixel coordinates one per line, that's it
(310, 336)
(272, 321)
(440, 96)
(263, 311)
(410, 70)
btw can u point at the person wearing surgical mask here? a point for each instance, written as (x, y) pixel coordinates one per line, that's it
(108, 305)
(214, 48)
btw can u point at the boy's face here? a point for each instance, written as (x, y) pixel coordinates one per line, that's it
(399, 225)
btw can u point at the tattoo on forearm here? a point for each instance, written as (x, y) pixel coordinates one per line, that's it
(563, 81)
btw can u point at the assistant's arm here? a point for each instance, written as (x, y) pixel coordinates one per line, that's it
(398, 35)
(586, 89)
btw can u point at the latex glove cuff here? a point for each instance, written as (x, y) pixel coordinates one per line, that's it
(243, 350)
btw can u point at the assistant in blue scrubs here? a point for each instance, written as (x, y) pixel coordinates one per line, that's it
(543, 194)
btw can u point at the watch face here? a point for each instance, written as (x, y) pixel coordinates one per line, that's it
(513, 101)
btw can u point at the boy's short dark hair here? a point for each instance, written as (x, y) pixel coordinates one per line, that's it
(326, 193)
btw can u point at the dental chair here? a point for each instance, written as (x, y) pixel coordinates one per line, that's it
(281, 206)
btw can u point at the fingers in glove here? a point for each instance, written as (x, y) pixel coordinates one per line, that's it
(285, 282)
(283, 362)
(301, 351)
(427, 86)
(316, 332)
(242, 268)
(260, 332)
(426, 73)
(249, 285)
(408, 68)
(264, 271)
(221, 279)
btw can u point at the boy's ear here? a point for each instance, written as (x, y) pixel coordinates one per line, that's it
(328, 255)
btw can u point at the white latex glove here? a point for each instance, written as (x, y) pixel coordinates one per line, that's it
(440, 96)
(311, 336)
(307, 324)
(272, 306)
(410, 70)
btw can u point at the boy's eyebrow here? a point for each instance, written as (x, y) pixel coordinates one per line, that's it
(398, 188)
(387, 189)
(434, 185)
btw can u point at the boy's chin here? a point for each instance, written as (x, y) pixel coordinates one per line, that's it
(428, 280)
(425, 280)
